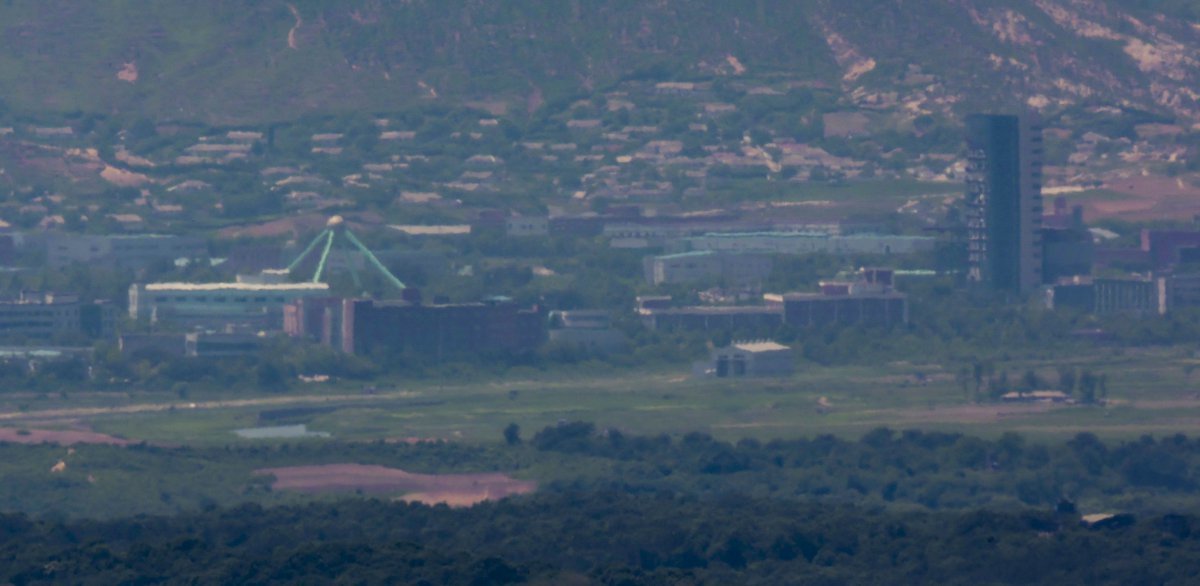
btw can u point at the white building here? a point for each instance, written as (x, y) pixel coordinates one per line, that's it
(218, 306)
(709, 267)
(751, 359)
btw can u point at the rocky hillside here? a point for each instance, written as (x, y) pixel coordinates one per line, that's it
(243, 61)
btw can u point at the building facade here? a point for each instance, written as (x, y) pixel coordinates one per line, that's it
(120, 251)
(707, 267)
(828, 308)
(587, 330)
(798, 243)
(44, 316)
(237, 306)
(1167, 248)
(1140, 296)
(751, 359)
(1180, 291)
(729, 318)
(1004, 202)
(439, 331)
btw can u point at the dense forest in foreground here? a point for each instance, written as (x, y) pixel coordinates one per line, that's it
(891, 507)
(909, 470)
(607, 537)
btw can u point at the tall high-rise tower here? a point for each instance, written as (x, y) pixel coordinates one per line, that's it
(1004, 202)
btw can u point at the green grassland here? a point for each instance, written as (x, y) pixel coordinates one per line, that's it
(1151, 391)
(192, 459)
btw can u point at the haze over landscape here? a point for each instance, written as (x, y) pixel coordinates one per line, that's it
(600, 292)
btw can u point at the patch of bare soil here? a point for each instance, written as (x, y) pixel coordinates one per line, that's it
(451, 489)
(60, 437)
(291, 36)
(1149, 198)
(128, 72)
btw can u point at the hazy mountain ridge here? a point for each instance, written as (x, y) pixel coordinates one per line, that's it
(235, 61)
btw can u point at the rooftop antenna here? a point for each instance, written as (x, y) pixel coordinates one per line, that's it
(337, 231)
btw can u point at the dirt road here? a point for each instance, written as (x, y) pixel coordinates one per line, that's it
(84, 412)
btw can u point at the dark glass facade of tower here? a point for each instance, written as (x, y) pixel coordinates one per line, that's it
(1004, 202)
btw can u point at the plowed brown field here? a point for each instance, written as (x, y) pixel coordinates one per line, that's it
(450, 489)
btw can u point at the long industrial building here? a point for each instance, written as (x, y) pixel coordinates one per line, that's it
(707, 266)
(868, 300)
(48, 315)
(245, 305)
(364, 326)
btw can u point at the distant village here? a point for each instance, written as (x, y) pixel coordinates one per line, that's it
(651, 169)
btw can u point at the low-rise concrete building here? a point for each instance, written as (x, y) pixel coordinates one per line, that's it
(191, 345)
(844, 308)
(154, 346)
(868, 299)
(1180, 291)
(241, 305)
(707, 267)
(591, 331)
(364, 326)
(811, 243)
(220, 345)
(1165, 247)
(49, 315)
(1108, 296)
(527, 226)
(120, 250)
(731, 318)
(751, 359)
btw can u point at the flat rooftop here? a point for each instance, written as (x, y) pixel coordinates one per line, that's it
(760, 346)
(236, 286)
(780, 297)
(712, 310)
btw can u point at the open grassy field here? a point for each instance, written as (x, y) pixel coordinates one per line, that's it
(1151, 391)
